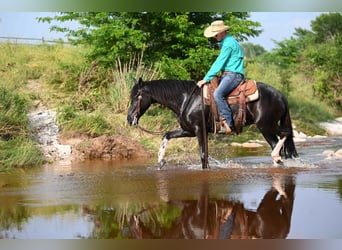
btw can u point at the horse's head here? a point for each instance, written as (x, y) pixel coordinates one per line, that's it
(140, 102)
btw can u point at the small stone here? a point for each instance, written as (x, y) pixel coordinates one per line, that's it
(338, 153)
(251, 145)
(329, 153)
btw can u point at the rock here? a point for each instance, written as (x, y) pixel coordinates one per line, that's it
(45, 130)
(333, 154)
(63, 151)
(329, 153)
(333, 128)
(251, 145)
(338, 153)
(299, 139)
(319, 136)
(299, 136)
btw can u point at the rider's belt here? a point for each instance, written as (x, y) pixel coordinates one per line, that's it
(229, 72)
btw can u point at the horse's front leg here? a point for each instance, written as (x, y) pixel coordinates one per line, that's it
(203, 147)
(168, 136)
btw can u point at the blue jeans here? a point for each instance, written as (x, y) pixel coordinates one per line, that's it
(228, 83)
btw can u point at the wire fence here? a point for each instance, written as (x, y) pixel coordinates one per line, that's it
(32, 40)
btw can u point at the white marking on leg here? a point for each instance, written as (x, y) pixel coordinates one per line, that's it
(277, 184)
(161, 152)
(275, 153)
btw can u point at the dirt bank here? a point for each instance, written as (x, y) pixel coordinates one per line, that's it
(105, 147)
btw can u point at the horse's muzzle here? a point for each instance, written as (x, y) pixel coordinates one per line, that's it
(132, 121)
(135, 121)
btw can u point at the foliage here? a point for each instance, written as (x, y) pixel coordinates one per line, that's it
(19, 152)
(327, 27)
(90, 124)
(251, 50)
(168, 37)
(16, 148)
(13, 108)
(306, 110)
(307, 113)
(317, 53)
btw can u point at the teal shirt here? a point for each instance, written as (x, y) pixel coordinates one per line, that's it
(230, 59)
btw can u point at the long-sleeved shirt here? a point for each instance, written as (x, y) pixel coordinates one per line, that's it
(230, 59)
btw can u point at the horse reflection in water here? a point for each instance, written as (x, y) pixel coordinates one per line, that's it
(222, 219)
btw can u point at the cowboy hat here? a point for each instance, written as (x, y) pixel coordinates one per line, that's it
(215, 28)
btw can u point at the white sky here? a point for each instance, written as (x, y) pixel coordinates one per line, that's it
(276, 25)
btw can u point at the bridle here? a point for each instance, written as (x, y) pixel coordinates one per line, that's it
(137, 109)
(137, 113)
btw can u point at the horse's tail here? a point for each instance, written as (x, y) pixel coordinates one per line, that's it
(289, 148)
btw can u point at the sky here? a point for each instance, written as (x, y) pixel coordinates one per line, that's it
(276, 26)
(280, 25)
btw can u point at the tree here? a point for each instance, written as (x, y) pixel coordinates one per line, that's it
(252, 50)
(316, 53)
(327, 26)
(324, 55)
(174, 39)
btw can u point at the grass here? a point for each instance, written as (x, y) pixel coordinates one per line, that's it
(19, 152)
(16, 147)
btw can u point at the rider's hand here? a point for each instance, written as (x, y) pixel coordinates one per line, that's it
(201, 83)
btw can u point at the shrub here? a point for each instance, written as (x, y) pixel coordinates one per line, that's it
(20, 152)
(13, 110)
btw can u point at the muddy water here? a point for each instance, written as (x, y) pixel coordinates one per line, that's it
(240, 197)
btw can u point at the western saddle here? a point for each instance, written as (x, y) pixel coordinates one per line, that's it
(245, 92)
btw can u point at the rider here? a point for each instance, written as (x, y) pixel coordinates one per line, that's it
(230, 63)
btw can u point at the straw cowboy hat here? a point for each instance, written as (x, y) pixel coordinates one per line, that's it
(215, 28)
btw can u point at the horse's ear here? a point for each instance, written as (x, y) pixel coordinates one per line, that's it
(140, 81)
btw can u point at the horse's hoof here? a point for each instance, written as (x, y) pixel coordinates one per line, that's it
(162, 164)
(278, 162)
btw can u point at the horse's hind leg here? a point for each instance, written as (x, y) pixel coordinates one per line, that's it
(275, 152)
(275, 144)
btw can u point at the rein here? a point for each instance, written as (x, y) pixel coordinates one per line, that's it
(149, 131)
(205, 135)
(138, 112)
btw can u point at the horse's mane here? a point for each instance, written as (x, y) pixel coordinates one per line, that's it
(169, 88)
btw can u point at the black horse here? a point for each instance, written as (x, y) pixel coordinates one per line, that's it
(270, 113)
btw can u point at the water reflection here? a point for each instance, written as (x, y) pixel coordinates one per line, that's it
(241, 199)
(202, 218)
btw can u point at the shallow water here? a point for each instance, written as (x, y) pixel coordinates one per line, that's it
(106, 199)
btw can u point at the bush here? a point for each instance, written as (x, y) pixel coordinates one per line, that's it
(13, 110)
(20, 152)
